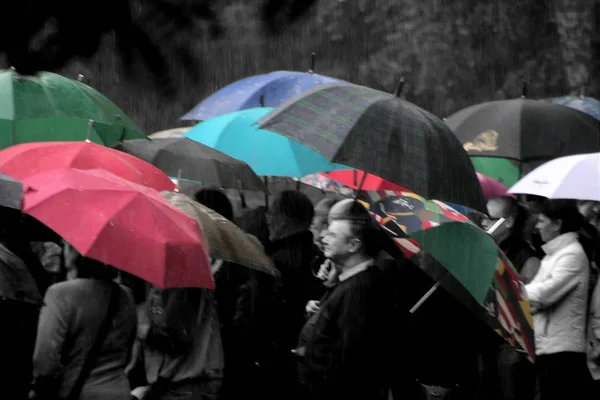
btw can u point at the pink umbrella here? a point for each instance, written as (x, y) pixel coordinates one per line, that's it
(491, 187)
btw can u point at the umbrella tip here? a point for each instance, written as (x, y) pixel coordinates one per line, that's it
(524, 90)
(399, 88)
(313, 58)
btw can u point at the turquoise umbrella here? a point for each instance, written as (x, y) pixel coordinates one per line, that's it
(268, 153)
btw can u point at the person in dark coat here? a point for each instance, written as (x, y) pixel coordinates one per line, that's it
(347, 350)
(292, 250)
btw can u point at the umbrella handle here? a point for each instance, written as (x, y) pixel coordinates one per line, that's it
(313, 57)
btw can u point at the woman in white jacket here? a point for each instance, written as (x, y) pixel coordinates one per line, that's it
(558, 296)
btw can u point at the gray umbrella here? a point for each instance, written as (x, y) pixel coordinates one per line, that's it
(11, 192)
(196, 162)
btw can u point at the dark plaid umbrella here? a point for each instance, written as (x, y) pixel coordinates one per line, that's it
(523, 132)
(196, 162)
(11, 192)
(381, 134)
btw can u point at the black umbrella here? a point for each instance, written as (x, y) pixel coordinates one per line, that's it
(190, 160)
(526, 132)
(11, 192)
(382, 134)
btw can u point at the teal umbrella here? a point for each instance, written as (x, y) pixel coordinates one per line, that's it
(268, 153)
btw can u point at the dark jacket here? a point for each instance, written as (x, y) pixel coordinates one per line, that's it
(347, 352)
(293, 257)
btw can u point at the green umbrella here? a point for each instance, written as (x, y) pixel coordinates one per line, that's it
(504, 170)
(49, 107)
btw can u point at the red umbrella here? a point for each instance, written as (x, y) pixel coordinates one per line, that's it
(122, 224)
(353, 178)
(491, 187)
(25, 160)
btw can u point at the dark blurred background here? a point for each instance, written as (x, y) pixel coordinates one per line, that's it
(452, 53)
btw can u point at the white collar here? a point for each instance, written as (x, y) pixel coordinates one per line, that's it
(358, 268)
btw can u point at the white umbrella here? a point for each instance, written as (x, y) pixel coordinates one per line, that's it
(571, 177)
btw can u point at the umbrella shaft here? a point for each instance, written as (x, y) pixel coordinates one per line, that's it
(427, 295)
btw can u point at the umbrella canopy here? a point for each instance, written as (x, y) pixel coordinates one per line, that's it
(28, 159)
(491, 187)
(571, 177)
(49, 107)
(468, 253)
(588, 105)
(170, 133)
(381, 134)
(268, 153)
(225, 240)
(356, 180)
(269, 90)
(117, 222)
(528, 132)
(461, 247)
(322, 182)
(11, 192)
(16, 281)
(187, 159)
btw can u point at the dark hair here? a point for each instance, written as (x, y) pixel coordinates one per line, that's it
(363, 226)
(215, 200)
(88, 268)
(294, 205)
(512, 208)
(564, 211)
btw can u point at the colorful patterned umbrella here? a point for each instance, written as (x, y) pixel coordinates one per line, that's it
(468, 253)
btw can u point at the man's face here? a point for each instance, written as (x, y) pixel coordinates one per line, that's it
(338, 242)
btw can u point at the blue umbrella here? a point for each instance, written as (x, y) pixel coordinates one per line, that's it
(268, 90)
(268, 153)
(588, 105)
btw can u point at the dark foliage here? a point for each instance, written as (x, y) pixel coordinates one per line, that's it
(38, 35)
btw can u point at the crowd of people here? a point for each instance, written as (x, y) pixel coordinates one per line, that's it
(334, 324)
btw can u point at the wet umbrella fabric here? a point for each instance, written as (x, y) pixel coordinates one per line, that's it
(11, 192)
(381, 134)
(50, 107)
(529, 132)
(268, 90)
(571, 177)
(268, 153)
(588, 105)
(16, 282)
(28, 159)
(494, 291)
(196, 162)
(225, 240)
(117, 222)
(491, 187)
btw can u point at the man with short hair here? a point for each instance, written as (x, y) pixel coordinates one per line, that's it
(346, 354)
